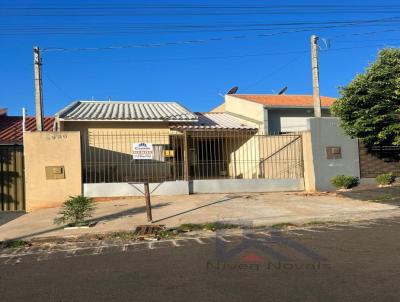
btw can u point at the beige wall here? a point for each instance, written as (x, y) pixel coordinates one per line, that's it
(219, 108)
(139, 126)
(43, 149)
(245, 158)
(119, 136)
(250, 111)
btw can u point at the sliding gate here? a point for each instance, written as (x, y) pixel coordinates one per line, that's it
(12, 191)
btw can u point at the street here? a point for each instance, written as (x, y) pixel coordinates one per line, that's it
(358, 262)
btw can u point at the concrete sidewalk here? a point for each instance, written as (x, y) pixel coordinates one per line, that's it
(256, 209)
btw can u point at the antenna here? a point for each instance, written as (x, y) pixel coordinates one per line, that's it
(23, 119)
(233, 90)
(327, 44)
(283, 90)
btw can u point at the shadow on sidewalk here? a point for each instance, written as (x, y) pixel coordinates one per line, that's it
(197, 208)
(6, 217)
(109, 217)
(389, 195)
(128, 213)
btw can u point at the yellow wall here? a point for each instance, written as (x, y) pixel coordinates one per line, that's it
(219, 108)
(43, 149)
(117, 136)
(250, 111)
(309, 172)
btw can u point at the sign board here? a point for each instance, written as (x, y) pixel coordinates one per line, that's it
(142, 151)
(333, 152)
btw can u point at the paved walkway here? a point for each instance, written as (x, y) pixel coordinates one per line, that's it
(255, 209)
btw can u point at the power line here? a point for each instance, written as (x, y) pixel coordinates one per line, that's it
(55, 85)
(174, 9)
(198, 41)
(76, 29)
(277, 70)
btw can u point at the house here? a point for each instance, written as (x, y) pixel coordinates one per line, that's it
(274, 114)
(184, 145)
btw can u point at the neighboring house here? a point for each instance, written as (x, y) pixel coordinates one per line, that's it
(12, 188)
(274, 113)
(11, 127)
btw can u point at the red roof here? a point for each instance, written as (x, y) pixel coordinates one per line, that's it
(285, 100)
(11, 127)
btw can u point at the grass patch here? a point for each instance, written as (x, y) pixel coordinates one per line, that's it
(165, 234)
(214, 226)
(283, 225)
(15, 243)
(210, 226)
(122, 235)
(188, 227)
(317, 223)
(384, 197)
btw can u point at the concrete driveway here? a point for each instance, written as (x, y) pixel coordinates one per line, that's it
(254, 209)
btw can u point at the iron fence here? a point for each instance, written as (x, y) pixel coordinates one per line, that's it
(132, 156)
(375, 160)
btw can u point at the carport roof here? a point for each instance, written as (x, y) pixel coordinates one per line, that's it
(125, 111)
(214, 121)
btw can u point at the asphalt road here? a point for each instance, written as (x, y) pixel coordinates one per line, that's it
(357, 263)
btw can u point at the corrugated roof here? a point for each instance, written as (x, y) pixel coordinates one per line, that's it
(11, 128)
(285, 100)
(125, 111)
(214, 120)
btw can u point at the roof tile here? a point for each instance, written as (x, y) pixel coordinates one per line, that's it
(11, 128)
(122, 111)
(285, 100)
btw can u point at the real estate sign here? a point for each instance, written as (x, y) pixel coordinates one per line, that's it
(142, 151)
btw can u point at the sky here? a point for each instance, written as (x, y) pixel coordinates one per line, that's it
(191, 52)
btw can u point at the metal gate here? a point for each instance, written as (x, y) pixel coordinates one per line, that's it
(192, 155)
(12, 190)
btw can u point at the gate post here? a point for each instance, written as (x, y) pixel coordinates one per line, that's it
(185, 156)
(308, 162)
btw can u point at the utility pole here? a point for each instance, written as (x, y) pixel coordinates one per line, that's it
(38, 88)
(315, 76)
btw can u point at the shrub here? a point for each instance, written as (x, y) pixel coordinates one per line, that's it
(75, 210)
(345, 181)
(385, 178)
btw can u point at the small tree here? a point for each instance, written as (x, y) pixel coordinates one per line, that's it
(75, 210)
(369, 107)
